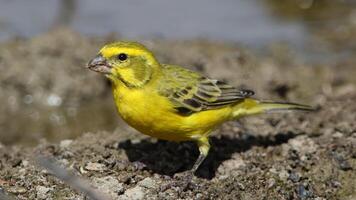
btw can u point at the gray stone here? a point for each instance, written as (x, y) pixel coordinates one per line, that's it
(17, 190)
(42, 192)
(148, 183)
(65, 144)
(108, 185)
(95, 167)
(135, 193)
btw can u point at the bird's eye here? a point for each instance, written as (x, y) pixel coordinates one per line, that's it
(122, 56)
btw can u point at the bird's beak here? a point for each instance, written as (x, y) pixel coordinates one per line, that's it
(99, 64)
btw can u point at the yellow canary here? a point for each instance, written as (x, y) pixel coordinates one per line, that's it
(171, 102)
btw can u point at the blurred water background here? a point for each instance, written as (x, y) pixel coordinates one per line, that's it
(239, 20)
(254, 23)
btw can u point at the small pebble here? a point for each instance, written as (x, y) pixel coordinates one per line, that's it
(136, 193)
(271, 182)
(139, 165)
(42, 192)
(65, 144)
(294, 177)
(336, 184)
(199, 196)
(283, 175)
(302, 192)
(148, 183)
(17, 190)
(25, 163)
(95, 167)
(342, 163)
(241, 186)
(109, 185)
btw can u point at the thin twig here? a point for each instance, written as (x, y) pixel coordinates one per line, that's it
(75, 182)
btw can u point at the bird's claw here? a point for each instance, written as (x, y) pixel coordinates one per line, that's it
(184, 180)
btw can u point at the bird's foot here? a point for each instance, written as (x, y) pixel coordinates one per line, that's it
(184, 180)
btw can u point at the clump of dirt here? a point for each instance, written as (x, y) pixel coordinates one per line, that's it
(276, 156)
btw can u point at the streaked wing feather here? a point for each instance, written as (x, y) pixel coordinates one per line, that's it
(190, 92)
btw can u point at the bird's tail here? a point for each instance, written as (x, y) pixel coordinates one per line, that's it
(251, 106)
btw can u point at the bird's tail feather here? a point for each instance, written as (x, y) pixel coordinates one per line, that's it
(252, 106)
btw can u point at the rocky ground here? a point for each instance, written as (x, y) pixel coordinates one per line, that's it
(46, 93)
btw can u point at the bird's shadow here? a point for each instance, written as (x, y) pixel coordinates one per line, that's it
(168, 158)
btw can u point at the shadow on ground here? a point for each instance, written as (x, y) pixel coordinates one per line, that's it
(168, 158)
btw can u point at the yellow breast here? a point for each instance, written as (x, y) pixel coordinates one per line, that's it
(154, 115)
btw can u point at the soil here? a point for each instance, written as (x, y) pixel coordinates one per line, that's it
(52, 107)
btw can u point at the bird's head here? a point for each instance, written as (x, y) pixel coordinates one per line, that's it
(128, 62)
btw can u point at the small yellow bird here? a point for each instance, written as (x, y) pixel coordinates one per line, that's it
(171, 102)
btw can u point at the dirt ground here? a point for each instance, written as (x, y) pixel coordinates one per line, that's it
(51, 100)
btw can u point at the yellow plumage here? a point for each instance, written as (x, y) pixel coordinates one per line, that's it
(154, 115)
(170, 102)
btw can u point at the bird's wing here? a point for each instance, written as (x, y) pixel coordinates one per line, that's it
(190, 92)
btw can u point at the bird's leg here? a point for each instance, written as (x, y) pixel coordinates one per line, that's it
(204, 146)
(186, 177)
